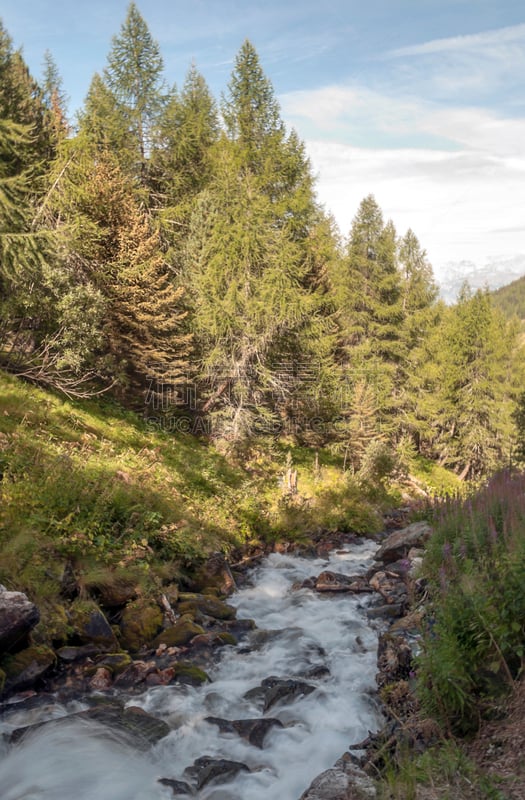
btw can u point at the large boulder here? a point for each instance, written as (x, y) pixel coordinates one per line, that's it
(199, 605)
(139, 624)
(179, 634)
(23, 669)
(253, 730)
(132, 724)
(398, 544)
(90, 625)
(18, 615)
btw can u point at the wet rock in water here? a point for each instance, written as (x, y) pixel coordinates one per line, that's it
(398, 544)
(205, 643)
(317, 672)
(139, 729)
(142, 728)
(179, 634)
(253, 730)
(238, 627)
(204, 605)
(18, 615)
(277, 689)
(178, 787)
(189, 674)
(206, 769)
(335, 582)
(23, 669)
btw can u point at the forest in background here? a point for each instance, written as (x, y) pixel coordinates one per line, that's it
(168, 250)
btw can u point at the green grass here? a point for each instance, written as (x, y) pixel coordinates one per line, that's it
(93, 484)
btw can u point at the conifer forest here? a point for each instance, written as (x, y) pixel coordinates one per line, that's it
(199, 369)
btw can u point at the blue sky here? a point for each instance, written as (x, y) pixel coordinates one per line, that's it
(420, 102)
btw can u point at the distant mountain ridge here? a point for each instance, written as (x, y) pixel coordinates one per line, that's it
(494, 274)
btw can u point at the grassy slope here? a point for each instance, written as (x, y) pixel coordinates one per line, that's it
(90, 483)
(511, 298)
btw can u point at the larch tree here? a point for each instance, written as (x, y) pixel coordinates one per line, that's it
(251, 266)
(466, 380)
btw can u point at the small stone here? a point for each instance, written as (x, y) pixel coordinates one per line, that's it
(101, 680)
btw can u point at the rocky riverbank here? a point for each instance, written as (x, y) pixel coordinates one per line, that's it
(176, 636)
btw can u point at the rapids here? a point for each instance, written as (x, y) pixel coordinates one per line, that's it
(297, 630)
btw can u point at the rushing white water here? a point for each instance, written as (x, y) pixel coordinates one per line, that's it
(78, 759)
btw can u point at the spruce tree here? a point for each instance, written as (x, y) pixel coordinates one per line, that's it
(465, 381)
(123, 105)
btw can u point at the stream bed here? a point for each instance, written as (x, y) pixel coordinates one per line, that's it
(308, 669)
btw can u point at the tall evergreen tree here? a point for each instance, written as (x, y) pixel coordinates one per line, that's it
(112, 247)
(464, 376)
(187, 129)
(124, 103)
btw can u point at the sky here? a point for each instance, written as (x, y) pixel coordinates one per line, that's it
(418, 102)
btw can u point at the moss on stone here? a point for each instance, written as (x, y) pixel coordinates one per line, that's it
(179, 634)
(199, 604)
(227, 638)
(2, 680)
(54, 626)
(186, 672)
(115, 662)
(24, 668)
(89, 624)
(140, 622)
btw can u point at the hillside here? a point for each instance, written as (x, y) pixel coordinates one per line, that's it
(511, 298)
(89, 484)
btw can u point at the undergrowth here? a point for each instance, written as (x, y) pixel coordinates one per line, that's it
(92, 484)
(474, 644)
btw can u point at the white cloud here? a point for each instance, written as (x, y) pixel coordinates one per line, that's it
(462, 206)
(465, 201)
(474, 41)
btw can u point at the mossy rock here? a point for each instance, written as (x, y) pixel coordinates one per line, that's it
(205, 605)
(2, 680)
(115, 662)
(188, 673)
(54, 626)
(90, 625)
(23, 669)
(179, 634)
(139, 624)
(228, 638)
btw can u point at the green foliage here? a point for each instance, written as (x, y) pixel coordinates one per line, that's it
(510, 299)
(445, 770)
(465, 375)
(475, 563)
(518, 417)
